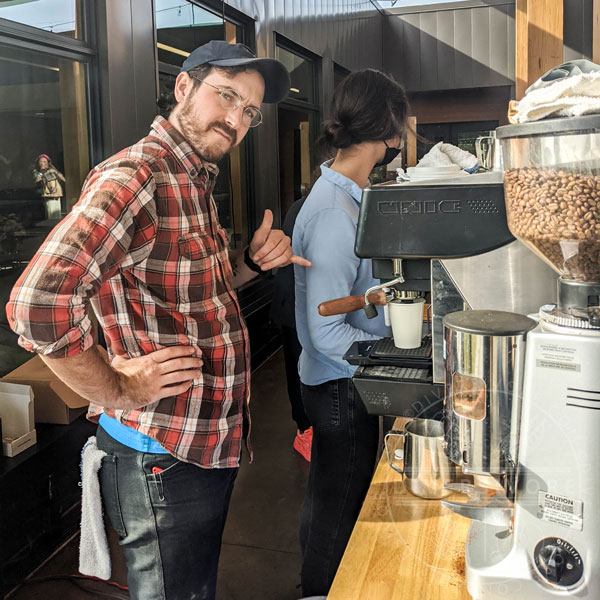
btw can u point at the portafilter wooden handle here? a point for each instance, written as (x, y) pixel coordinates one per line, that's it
(340, 306)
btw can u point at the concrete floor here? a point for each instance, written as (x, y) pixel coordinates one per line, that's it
(260, 557)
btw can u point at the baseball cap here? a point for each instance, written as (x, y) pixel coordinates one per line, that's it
(222, 54)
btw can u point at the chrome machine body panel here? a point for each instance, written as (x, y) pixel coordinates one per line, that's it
(509, 278)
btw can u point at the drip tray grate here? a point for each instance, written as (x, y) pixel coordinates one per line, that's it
(396, 373)
(385, 348)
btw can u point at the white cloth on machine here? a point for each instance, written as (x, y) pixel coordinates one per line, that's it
(94, 555)
(568, 97)
(445, 155)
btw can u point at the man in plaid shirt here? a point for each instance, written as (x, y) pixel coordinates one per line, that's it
(145, 248)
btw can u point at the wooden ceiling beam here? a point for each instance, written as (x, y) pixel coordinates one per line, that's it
(539, 40)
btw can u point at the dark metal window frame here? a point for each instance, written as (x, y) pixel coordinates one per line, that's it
(317, 61)
(23, 36)
(247, 26)
(314, 109)
(338, 71)
(57, 40)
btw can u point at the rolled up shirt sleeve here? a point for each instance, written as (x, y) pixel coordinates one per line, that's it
(112, 227)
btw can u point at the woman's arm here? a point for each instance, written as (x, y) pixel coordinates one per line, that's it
(330, 246)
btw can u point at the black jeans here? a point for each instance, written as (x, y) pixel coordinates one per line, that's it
(344, 451)
(169, 523)
(291, 355)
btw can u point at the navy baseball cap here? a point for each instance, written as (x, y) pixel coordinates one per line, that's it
(222, 54)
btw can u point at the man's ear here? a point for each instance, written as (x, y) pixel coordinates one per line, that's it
(183, 86)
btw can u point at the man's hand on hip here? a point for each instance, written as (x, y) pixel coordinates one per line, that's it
(128, 383)
(271, 248)
(150, 378)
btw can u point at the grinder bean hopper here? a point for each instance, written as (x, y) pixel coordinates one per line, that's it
(523, 403)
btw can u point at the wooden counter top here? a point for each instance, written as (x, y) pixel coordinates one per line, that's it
(402, 547)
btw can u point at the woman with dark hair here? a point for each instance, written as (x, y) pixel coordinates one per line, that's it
(368, 121)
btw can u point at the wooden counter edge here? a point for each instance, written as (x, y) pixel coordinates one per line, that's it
(394, 531)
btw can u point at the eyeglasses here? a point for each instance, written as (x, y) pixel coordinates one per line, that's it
(231, 100)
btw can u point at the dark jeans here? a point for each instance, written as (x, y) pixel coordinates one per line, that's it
(291, 355)
(344, 451)
(169, 524)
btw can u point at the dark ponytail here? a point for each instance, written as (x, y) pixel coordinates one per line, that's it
(367, 106)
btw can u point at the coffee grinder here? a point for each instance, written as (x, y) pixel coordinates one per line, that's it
(526, 424)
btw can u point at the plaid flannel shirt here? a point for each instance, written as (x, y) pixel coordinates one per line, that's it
(144, 246)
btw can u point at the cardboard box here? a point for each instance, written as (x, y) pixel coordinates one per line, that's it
(55, 401)
(16, 412)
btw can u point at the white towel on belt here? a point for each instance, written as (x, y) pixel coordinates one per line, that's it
(94, 556)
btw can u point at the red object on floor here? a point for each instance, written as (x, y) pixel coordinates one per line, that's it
(303, 443)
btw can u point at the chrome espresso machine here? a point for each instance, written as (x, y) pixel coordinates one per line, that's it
(512, 363)
(448, 241)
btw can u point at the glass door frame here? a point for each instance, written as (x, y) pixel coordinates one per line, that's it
(21, 36)
(313, 109)
(246, 27)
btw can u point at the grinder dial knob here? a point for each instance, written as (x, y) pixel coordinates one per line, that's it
(558, 562)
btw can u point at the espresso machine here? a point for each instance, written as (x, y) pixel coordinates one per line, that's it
(522, 407)
(447, 240)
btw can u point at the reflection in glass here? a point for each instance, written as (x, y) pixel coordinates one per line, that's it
(56, 16)
(44, 159)
(301, 74)
(468, 396)
(181, 27)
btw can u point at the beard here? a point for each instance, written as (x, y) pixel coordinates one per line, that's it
(197, 136)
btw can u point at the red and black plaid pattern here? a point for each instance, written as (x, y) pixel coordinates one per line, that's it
(144, 246)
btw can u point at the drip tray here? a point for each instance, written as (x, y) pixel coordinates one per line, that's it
(399, 391)
(385, 348)
(396, 373)
(383, 352)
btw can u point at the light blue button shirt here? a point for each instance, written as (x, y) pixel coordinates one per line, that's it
(324, 234)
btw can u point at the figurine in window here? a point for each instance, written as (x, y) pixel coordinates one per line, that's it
(48, 179)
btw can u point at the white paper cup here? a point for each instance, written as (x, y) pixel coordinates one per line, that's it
(407, 322)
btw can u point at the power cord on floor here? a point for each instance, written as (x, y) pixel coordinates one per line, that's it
(75, 580)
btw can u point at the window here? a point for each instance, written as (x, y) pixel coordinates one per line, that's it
(297, 123)
(302, 75)
(181, 28)
(44, 159)
(339, 73)
(462, 135)
(64, 17)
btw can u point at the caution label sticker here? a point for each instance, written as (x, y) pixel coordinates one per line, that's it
(563, 357)
(561, 510)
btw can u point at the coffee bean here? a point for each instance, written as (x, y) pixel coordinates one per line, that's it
(558, 213)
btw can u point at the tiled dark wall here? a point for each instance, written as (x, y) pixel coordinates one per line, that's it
(452, 48)
(469, 47)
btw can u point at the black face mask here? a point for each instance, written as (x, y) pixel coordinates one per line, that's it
(389, 156)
